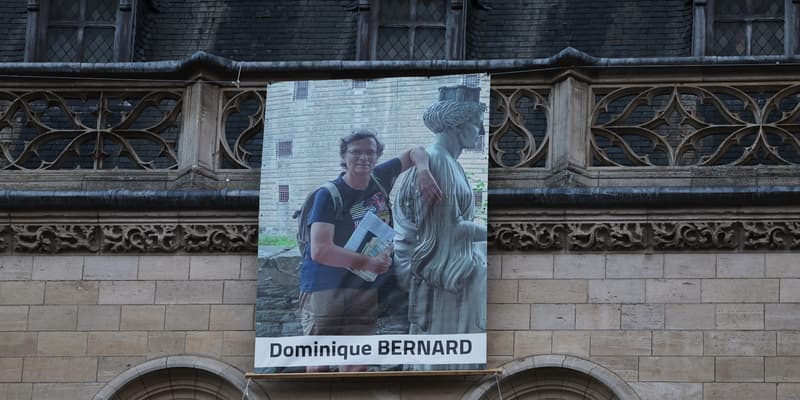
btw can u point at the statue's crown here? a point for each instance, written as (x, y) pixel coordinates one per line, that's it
(460, 93)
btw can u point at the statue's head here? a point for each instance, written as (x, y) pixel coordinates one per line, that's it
(356, 136)
(457, 105)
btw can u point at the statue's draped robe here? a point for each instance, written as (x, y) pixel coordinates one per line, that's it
(435, 254)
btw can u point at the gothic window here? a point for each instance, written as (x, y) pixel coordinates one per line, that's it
(79, 30)
(411, 29)
(745, 27)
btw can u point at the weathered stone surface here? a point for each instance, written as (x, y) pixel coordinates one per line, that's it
(16, 344)
(597, 316)
(239, 292)
(98, 318)
(208, 343)
(109, 367)
(677, 343)
(552, 291)
(16, 268)
(57, 268)
(740, 316)
(160, 344)
(668, 390)
(52, 318)
(142, 318)
(529, 343)
(199, 292)
(626, 368)
(553, 316)
(238, 343)
(500, 343)
(739, 343)
(739, 369)
(790, 290)
(676, 369)
(617, 291)
(502, 290)
(508, 316)
(117, 343)
(13, 318)
(111, 268)
(163, 268)
(739, 290)
(789, 343)
(61, 391)
(21, 292)
(782, 316)
(788, 391)
(642, 316)
(782, 369)
(187, 317)
(690, 316)
(71, 292)
(620, 343)
(126, 292)
(740, 265)
(15, 391)
(571, 342)
(673, 290)
(231, 317)
(61, 344)
(634, 266)
(10, 369)
(781, 265)
(214, 267)
(690, 265)
(60, 369)
(738, 391)
(580, 266)
(530, 266)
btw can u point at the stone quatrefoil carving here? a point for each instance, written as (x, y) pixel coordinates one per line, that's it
(146, 238)
(695, 126)
(666, 236)
(87, 129)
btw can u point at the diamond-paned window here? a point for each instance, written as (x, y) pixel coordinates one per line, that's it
(411, 30)
(80, 31)
(747, 27)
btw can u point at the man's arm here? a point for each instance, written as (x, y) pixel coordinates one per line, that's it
(428, 188)
(324, 251)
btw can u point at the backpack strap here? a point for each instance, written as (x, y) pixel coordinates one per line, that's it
(336, 196)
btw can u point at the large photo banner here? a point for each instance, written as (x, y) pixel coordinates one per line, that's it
(372, 226)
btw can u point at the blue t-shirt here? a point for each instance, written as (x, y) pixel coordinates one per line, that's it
(355, 204)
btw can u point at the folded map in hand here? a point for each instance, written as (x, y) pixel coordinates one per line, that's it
(371, 237)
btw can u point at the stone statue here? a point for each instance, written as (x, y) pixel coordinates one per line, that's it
(440, 252)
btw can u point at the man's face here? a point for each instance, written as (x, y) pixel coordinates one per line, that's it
(361, 156)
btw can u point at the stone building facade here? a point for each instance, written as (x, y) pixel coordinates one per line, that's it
(644, 221)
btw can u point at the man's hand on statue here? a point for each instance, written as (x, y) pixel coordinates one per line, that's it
(428, 188)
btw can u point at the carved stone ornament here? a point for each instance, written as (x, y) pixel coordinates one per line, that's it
(144, 238)
(607, 236)
(772, 235)
(694, 235)
(526, 236)
(656, 235)
(222, 238)
(54, 238)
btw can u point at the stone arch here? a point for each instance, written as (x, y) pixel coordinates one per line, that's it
(552, 377)
(163, 378)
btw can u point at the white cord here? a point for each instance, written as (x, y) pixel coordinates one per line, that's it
(497, 379)
(246, 389)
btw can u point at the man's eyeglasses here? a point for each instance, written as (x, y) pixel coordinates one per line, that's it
(359, 153)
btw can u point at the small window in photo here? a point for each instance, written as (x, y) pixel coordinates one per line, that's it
(359, 84)
(478, 196)
(284, 149)
(300, 90)
(283, 193)
(471, 80)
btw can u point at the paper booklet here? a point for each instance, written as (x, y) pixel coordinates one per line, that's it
(371, 237)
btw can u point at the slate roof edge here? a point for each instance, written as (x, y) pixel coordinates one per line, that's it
(207, 62)
(534, 197)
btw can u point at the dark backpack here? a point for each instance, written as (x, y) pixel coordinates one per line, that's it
(303, 229)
